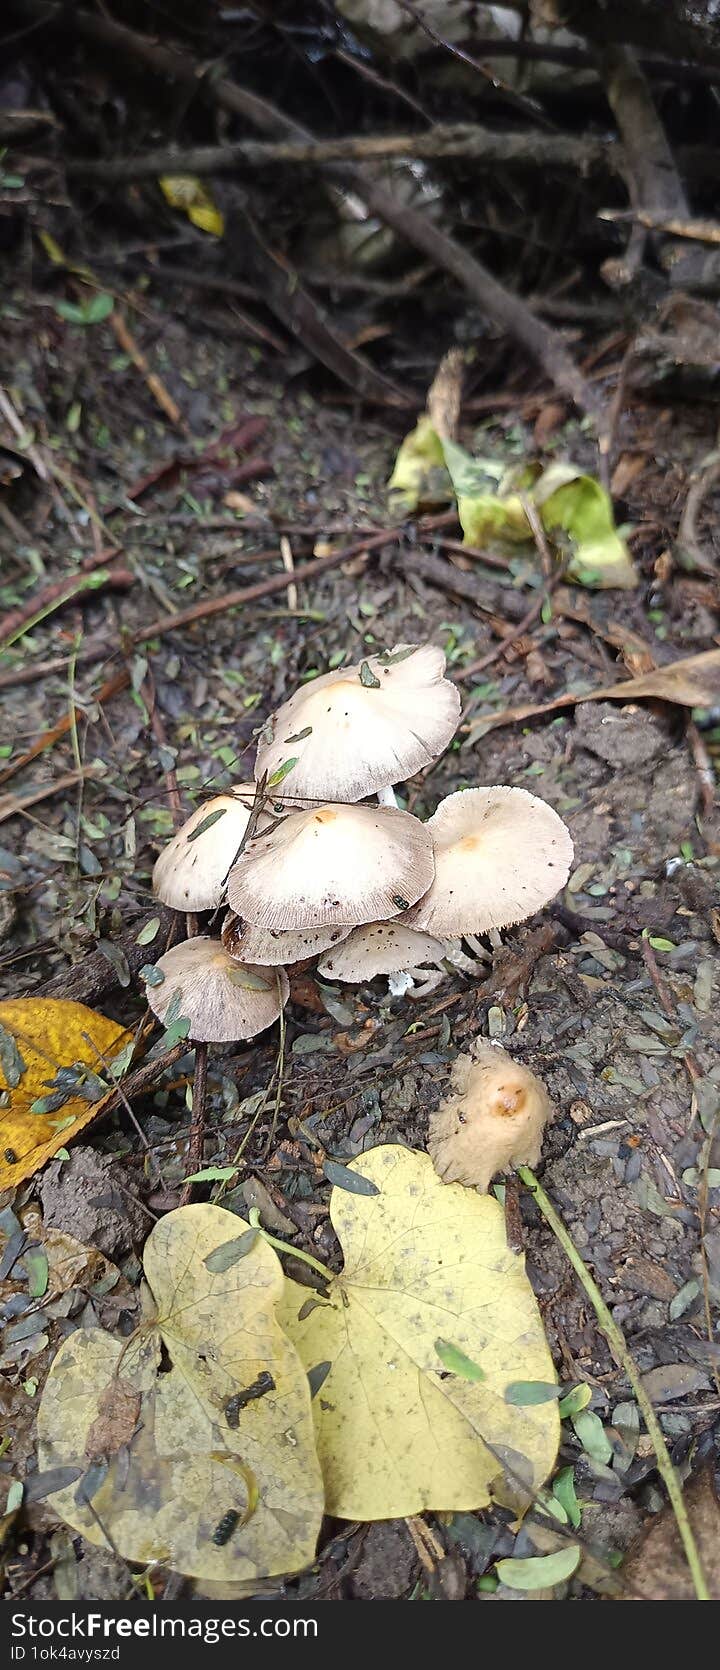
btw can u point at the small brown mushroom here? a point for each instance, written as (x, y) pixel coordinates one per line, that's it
(225, 1001)
(493, 1119)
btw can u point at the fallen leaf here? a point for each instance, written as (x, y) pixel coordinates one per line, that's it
(50, 1035)
(183, 191)
(420, 476)
(656, 1567)
(203, 1494)
(541, 1571)
(396, 1431)
(577, 505)
(694, 681)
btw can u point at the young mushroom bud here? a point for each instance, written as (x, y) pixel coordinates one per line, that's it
(355, 732)
(493, 1119)
(224, 1001)
(192, 869)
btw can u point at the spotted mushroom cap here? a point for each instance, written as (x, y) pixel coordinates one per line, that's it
(500, 854)
(380, 948)
(224, 1001)
(191, 872)
(358, 730)
(336, 865)
(270, 947)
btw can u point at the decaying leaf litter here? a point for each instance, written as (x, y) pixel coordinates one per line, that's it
(609, 996)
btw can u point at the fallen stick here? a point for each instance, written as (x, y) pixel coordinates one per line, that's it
(91, 979)
(460, 139)
(508, 311)
(55, 596)
(108, 689)
(12, 805)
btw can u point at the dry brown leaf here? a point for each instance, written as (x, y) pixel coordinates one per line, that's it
(656, 1567)
(693, 681)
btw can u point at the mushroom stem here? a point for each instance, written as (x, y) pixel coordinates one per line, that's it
(401, 983)
(457, 957)
(477, 949)
(387, 797)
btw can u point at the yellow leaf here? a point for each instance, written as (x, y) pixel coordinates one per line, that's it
(183, 191)
(198, 1467)
(48, 1034)
(420, 476)
(424, 1262)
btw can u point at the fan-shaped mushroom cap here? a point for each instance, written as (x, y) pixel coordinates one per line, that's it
(499, 855)
(224, 1000)
(493, 1119)
(364, 727)
(268, 948)
(191, 871)
(380, 948)
(335, 865)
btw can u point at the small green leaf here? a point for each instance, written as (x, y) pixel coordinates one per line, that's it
(352, 1181)
(588, 1428)
(564, 1492)
(662, 944)
(149, 932)
(207, 823)
(281, 773)
(175, 1033)
(301, 735)
(213, 1174)
(367, 677)
(541, 1572)
(247, 981)
(98, 308)
(14, 1496)
(523, 1393)
(231, 1252)
(574, 1401)
(71, 312)
(36, 1264)
(455, 1360)
(151, 974)
(11, 1060)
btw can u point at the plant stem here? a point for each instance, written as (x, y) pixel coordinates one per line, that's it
(284, 1247)
(621, 1351)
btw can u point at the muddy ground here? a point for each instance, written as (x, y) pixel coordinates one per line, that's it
(613, 1002)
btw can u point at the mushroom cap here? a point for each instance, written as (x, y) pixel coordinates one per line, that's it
(224, 1001)
(493, 1119)
(191, 871)
(270, 948)
(499, 855)
(364, 727)
(380, 948)
(334, 865)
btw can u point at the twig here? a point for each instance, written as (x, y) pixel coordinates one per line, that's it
(197, 1128)
(620, 1349)
(703, 478)
(110, 688)
(51, 597)
(11, 806)
(511, 637)
(286, 553)
(155, 384)
(703, 766)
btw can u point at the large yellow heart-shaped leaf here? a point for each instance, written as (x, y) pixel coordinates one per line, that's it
(211, 1462)
(40, 1036)
(426, 1264)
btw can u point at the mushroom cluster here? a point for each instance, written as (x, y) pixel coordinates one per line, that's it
(315, 858)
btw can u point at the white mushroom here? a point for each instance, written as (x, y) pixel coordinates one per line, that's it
(338, 865)
(192, 869)
(500, 854)
(355, 732)
(224, 1001)
(380, 948)
(270, 947)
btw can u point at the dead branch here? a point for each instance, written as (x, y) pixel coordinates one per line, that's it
(90, 980)
(507, 311)
(458, 139)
